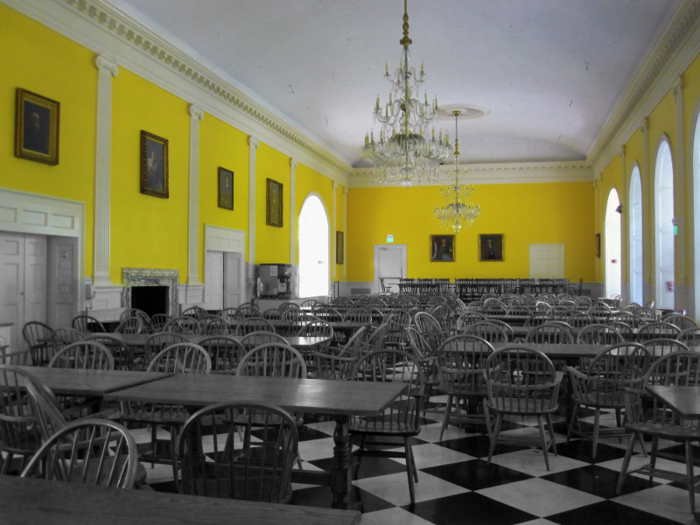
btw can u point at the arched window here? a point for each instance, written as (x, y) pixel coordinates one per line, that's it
(636, 238)
(663, 186)
(613, 245)
(314, 267)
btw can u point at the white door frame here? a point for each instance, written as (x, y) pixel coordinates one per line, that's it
(22, 212)
(376, 288)
(218, 239)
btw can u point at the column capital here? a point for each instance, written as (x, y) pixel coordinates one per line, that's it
(677, 87)
(293, 163)
(623, 151)
(253, 142)
(196, 112)
(335, 185)
(644, 125)
(106, 65)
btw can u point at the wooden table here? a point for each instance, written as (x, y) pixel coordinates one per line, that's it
(683, 400)
(139, 340)
(566, 352)
(35, 501)
(340, 399)
(90, 383)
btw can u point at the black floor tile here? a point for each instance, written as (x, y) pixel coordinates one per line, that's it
(366, 467)
(322, 497)
(476, 446)
(582, 449)
(608, 513)
(476, 474)
(469, 507)
(599, 481)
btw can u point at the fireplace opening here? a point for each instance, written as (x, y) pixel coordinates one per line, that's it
(151, 299)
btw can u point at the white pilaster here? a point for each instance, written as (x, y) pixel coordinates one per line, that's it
(103, 169)
(196, 115)
(334, 235)
(293, 165)
(681, 299)
(647, 219)
(253, 146)
(345, 234)
(623, 193)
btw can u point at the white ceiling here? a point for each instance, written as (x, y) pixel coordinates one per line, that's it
(550, 71)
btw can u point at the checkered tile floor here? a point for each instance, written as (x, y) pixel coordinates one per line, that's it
(456, 485)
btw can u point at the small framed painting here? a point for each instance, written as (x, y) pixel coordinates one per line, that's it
(225, 189)
(154, 165)
(36, 127)
(442, 248)
(339, 248)
(274, 203)
(491, 247)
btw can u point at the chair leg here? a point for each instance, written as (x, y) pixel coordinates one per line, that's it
(494, 435)
(551, 434)
(652, 457)
(173, 452)
(446, 419)
(596, 429)
(689, 469)
(574, 419)
(543, 440)
(626, 463)
(409, 471)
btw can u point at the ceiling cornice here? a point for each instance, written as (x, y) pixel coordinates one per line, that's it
(677, 47)
(101, 27)
(505, 173)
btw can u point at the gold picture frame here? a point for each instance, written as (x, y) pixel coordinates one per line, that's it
(442, 248)
(339, 248)
(36, 127)
(225, 189)
(491, 247)
(275, 201)
(154, 165)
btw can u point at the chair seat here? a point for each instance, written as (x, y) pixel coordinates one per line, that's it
(384, 428)
(666, 431)
(604, 400)
(522, 406)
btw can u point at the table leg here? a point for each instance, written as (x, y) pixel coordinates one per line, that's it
(340, 479)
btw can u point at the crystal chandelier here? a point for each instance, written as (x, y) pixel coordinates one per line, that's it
(457, 213)
(403, 153)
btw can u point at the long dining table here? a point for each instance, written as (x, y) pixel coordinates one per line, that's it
(36, 501)
(139, 340)
(338, 399)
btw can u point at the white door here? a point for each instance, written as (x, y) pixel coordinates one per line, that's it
(390, 261)
(23, 282)
(233, 279)
(214, 280)
(547, 261)
(63, 282)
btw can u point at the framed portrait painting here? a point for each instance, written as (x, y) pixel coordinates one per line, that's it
(491, 247)
(339, 247)
(154, 165)
(225, 189)
(36, 127)
(274, 203)
(442, 248)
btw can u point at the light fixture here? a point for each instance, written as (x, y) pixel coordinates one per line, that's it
(457, 213)
(403, 153)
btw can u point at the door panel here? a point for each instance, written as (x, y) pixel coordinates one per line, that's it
(12, 284)
(390, 265)
(547, 261)
(233, 279)
(35, 278)
(214, 281)
(63, 280)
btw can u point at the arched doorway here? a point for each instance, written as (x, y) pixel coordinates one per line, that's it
(665, 260)
(613, 245)
(314, 251)
(636, 238)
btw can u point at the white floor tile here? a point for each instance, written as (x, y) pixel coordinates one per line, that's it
(393, 516)
(531, 462)
(430, 455)
(666, 501)
(394, 488)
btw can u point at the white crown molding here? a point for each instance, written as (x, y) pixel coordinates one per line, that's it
(99, 26)
(502, 173)
(678, 46)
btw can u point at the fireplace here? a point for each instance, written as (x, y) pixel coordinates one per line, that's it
(152, 289)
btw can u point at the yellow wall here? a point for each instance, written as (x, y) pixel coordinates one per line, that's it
(148, 232)
(547, 213)
(38, 60)
(340, 218)
(611, 179)
(271, 242)
(221, 145)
